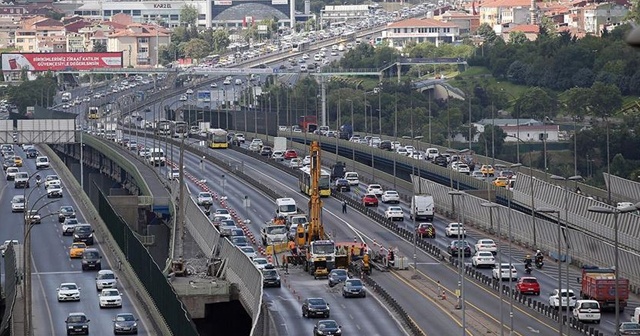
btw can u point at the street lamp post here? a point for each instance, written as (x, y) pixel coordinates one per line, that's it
(557, 212)
(514, 166)
(353, 150)
(615, 212)
(566, 229)
(533, 216)
(492, 206)
(461, 263)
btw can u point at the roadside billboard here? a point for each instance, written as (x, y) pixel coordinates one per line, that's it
(61, 61)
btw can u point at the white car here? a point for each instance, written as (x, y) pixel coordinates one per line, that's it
(410, 150)
(390, 196)
(249, 251)
(587, 311)
(483, 259)
(110, 298)
(375, 189)
(54, 190)
(277, 155)
(69, 226)
(455, 230)
(173, 174)
(6, 243)
(11, 173)
(394, 213)
(51, 179)
(213, 85)
(505, 271)
(205, 198)
(554, 298)
(463, 168)
(261, 262)
(306, 161)
(295, 163)
(183, 98)
(401, 151)
(106, 279)
(226, 81)
(417, 156)
(17, 203)
(486, 245)
(68, 291)
(189, 92)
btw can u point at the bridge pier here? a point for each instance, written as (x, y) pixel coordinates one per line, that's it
(196, 293)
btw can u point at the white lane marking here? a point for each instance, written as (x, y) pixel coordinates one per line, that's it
(56, 273)
(44, 295)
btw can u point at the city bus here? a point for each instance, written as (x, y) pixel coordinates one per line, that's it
(180, 129)
(163, 127)
(217, 138)
(94, 113)
(323, 185)
(299, 46)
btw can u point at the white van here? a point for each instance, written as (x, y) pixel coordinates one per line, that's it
(432, 153)
(286, 206)
(352, 178)
(587, 311)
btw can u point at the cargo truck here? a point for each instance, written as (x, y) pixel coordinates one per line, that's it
(422, 207)
(599, 284)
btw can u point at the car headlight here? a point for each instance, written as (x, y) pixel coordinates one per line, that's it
(135, 325)
(320, 332)
(76, 236)
(91, 235)
(69, 327)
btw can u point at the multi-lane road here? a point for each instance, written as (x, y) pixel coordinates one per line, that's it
(52, 265)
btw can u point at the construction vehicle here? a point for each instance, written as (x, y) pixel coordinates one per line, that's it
(599, 284)
(353, 256)
(318, 251)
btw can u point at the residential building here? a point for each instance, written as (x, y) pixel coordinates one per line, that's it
(140, 44)
(467, 22)
(530, 31)
(40, 34)
(595, 17)
(529, 130)
(499, 12)
(420, 30)
(344, 13)
(166, 13)
(8, 27)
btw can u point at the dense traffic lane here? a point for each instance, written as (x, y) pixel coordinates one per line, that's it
(297, 285)
(340, 226)
(52, 266)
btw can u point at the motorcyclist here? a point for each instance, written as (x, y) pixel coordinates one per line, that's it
(527, 261)
(539, 256)
(38, 180)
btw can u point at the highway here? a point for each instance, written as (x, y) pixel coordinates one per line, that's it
(52, 265)
(285, 303)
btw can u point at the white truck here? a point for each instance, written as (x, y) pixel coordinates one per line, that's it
(156, 157)
(422, 207)
(273, 234)
(279, 144)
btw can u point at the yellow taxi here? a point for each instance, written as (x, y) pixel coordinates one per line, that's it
(77, 249)
(501, 182)
(18, 161)
(487, 170)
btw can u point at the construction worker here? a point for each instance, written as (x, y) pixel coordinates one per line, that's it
(292, 248)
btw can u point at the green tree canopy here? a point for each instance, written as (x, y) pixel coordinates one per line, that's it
(189, 16)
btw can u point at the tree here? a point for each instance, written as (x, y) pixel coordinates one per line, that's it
(31, 93)
(536, 103)
(487, 32)
(518, 37)
(189, 16)
(576, 102)
(196, 48)
(604, 100)
(486, 137)
(99, 47)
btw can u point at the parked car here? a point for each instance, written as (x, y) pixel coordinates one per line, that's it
(426, 230)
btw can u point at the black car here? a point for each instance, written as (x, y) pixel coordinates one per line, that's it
(337, 276)
(125, 323)
(66, 211)
(32, 153)
(440, 161)
(91, 259)
(315, 307)
(385, 145)
(457, 245)
(270, 277)
(266, 151)
(77, 324)
(83, 233)
(327, 327)
(342, 185)
(353, 288)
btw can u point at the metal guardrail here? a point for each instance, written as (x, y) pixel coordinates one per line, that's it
(622, 189)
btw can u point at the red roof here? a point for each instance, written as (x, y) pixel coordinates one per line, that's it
(506, 3)
(535, 29)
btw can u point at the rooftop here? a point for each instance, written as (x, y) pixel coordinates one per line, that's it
(420, 23)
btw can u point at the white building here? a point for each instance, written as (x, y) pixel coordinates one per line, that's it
(165, 12)
(345, 13)
(420, 30)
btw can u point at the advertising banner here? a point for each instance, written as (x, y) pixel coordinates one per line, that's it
(61, 61)
(204, 96)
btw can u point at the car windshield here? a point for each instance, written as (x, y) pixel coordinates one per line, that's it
(355, 283)
(90, 255)
(339, 272)
(328, 324)
(68, 287)
(395, 208)
(83, 229)
(272, 273)
(78, 245)
(205, 195)
(317, 302)
(22, 175)
(248, 249)
(630, 326)
(72, 221)
(222, 212)
(260, 261)
(123, 318)
(106, 276)
(109, 292)
(590, 305)
(529, 280)
(76, 319)
(66, 209)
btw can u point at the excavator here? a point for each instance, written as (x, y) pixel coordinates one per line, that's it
(318, 251)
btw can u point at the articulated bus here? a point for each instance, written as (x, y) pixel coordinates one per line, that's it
(180, 129)
(324, 187)
(94, 113)
(217, 138)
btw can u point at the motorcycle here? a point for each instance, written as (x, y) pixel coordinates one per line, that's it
(539, 263)
(527, 268)
(38, 183)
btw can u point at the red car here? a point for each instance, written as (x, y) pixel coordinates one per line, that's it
(370, 200)
(290, 154)
(426, 230)
(528, 285)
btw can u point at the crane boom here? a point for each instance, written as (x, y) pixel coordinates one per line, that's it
(316, 229)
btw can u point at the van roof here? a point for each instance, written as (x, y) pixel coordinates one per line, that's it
(285, 199)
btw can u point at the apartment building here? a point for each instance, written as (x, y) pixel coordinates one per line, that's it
(499, 12)
(420, 30)
(40, 34)
(140, 44)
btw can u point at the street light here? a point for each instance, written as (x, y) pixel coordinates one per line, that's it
(557, 212)
(461, 265)
(492, 206)
(533, 216)
(615, 212)
(514, 166)
(566, 231)
(353, 149)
